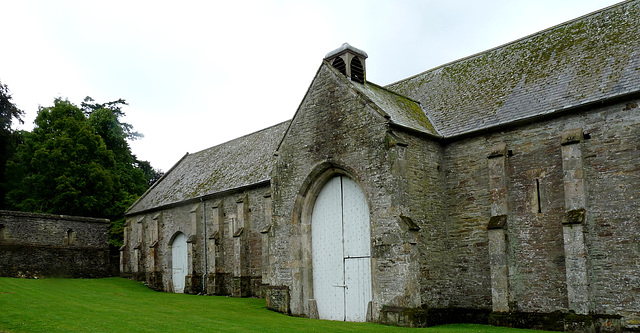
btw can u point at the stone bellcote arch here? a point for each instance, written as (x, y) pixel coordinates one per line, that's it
(349, 61)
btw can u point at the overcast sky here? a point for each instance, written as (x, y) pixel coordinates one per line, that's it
(199, 73)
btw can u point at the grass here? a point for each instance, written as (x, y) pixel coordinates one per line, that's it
(120, 305)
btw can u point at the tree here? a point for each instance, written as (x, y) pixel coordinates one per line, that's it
(63, 167)
(9, 138)
(77, 161)
(135, 175)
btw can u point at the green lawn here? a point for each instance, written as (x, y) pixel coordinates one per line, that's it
(120, 305)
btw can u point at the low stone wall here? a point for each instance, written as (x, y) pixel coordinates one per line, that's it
(41, 245)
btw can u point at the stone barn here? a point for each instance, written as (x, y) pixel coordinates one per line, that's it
(501, 188)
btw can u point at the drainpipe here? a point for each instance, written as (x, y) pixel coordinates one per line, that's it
(204, 242)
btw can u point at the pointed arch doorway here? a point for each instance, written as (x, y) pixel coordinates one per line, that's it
(179, 262)
(341, 251)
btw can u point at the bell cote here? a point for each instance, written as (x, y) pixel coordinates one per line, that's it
(350, 61)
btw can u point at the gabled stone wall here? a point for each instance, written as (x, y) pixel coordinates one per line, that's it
(337, 131)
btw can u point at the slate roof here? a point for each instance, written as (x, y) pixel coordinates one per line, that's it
(586, 60)
(240, 162)
(400, 110)
(591, 58)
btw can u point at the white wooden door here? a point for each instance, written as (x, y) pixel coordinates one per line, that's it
(341, 251)
(179, 262)
(358, 291)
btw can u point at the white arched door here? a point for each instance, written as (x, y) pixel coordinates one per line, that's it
(179, 262)
(341, 253)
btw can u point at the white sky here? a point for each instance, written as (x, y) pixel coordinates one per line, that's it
(199, 73)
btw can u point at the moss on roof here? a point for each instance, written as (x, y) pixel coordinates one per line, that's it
(401, 110)
(591, 58)
(240, 162)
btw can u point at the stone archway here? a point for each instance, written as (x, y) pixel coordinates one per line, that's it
(341, 254)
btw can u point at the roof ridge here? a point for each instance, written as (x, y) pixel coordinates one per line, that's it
(153, 186)
(241, 137)
(393, 92)
(214, 169)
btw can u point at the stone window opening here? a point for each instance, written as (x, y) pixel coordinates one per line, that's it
(357, 70)
(339, 64)
(3, 232)
(71, 237)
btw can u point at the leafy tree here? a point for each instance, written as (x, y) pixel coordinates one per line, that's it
(113, 130)
(105, 120)
(9, 138)
(77, 161)
(63, 167)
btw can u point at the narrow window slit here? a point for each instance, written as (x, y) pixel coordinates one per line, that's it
(71, 237)
(538, 196)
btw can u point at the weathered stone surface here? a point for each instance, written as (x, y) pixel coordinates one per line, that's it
(336, 132)
(41, 245)
(278, 299)
(221, 217)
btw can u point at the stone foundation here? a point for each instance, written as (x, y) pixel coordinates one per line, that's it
(193, 284)
(278, 298)
(424, 317)
(558, 321)
(154, 281)
(219, 284)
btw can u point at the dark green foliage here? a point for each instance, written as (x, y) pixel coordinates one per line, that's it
(78, 162)
(62, 167)
(150, 173)
(9, 139)
(122, 130)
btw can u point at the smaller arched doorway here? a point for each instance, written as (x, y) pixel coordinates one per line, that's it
(179, 262)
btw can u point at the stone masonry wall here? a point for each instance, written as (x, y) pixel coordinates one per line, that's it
(234, 263)
(417, 170)
(41, 245)
(467, 214)
(538, 203)
(612, 228)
